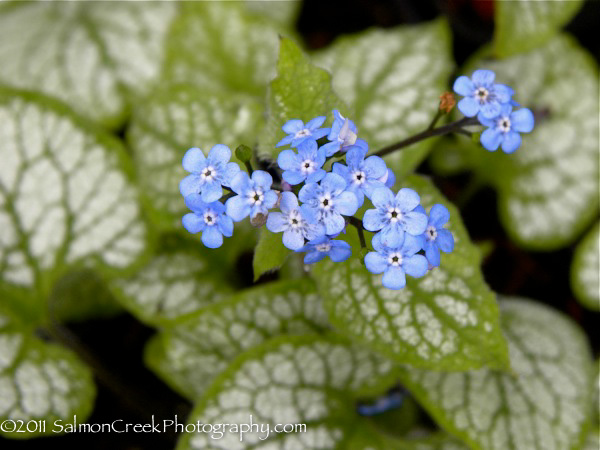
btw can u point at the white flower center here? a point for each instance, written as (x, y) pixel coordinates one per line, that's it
(308, 166)
(394, 215)
(209, 173)
(324, 247)
(210, 218)
(481, 94)
(256, 197)
(303, 133)
(295, 221)
(395, 259)
(325, 202)
(431, 233)
(504, 124)
(358, 177)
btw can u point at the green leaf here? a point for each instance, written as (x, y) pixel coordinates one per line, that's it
(392, 80)
(175, 282)
(192, 350)
(88, 54)
(523, 25)
(308, 380)
(220, 46)
(284, 13)
(447, 320)
(548, 189)
(171, 121)
(543, 404)
(585, 270)
(66, 199)
(39, 381)
(270, 253)
(300, 91)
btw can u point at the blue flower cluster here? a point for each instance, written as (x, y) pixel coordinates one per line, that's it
(315, 206)
(493, 105)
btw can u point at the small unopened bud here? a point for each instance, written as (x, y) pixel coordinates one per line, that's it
(286, 187)
(243, 153)
(259, 220)
(447, 102)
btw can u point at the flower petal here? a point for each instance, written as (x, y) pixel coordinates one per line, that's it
(293, 239)
(392, 236)
(285, 141)
(293, 177)
(340, 251)
(483, 77)
(511, 142)
(468, 106)
(412, 244)
(316, 176)
(331, 148)
(334, 223)
(503, 93)
(332, 182)
(394, 278)
(415, 266)
(231, 170)
(355, 156)
(438, 215)
(445, 241)
(219, 154)
(193, 223)
(415, 223)
(262, 179)
(382, 198)
(193, 160)
(309, 192)
(293, 126)
(407, 199)
(195, 203)
(463, 86)
(375, 262)
(190, 185)
(491, 109)
(276, 222)
(522, 120)
(212, 237)
(375, 167)
(240, 182)
(270, 200)
(432, 253)
(288, 202)
(490, 139)
(313, 257)
(237, 208)
(288, 160)
(315, 123)
(346, 203)
(225, 225)
(211, 191)
(373, 220)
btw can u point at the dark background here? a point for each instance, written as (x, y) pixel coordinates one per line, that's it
(129, 391)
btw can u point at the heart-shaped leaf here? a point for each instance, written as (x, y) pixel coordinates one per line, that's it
(40, 382)
(447, 320)
(522, 25)
(308, 380)
(192, 350)
(585, 270)
(392, 80)
(543, 404)
(88, 54)
(66, 199)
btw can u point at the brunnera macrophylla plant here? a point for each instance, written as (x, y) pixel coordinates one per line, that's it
(325, 177)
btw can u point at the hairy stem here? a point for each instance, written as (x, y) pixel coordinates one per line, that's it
(454, 127)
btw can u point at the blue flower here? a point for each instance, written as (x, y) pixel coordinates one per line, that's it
(299, 133)
(505, 129)
(342, 135)
(297, 223)
(209, 219)
(304, 166)
(481, 94)
(362, 175)
(208, 174)
(329, 201)
(322, 246)
(436, 237)
(396, 262)
(395, 215)
(254, 195)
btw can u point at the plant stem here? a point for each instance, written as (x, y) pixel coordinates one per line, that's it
(454, 127)
(249, 167)
(356, 223)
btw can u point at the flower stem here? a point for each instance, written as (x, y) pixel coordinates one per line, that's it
(249, 167)
(357, 223)
(454, 127)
